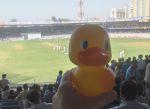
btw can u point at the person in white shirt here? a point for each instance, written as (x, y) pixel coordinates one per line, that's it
(147, 81)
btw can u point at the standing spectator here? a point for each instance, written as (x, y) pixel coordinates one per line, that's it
(113, 65)
(149, 58)
(129, 59)
(146, 59)
(124, 68)
(147, 81)
(58, 80)
(1, 93)
(4, 81)
(131, 71)
(118, 70)
(141, 65)
(134, 59)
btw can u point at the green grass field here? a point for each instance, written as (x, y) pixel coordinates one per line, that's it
(37, 61)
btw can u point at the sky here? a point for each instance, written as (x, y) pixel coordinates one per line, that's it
(44, 9)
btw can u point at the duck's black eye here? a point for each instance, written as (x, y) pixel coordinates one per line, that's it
(84, 44)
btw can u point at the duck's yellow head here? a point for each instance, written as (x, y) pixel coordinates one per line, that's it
(90, 46)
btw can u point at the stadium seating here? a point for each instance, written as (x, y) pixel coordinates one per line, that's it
(9, 104)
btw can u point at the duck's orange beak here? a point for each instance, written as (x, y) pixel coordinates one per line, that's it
(93, 57)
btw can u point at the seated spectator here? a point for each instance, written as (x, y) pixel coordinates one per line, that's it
(141, 92)
(22, 97)
(38, 88)
(35, 87)
(55, 88)
(23, 94)
(48, 95)
(147, 81)
(128, 93)
(5, 92)
(4, 81)
(34, 97)
(44, 88)
(11, 94)
(18, 90)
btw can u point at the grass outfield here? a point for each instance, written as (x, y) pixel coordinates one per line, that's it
(37, 61)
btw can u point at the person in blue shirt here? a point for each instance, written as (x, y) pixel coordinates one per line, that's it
(131, 71)
(59, 77)
(124, 68)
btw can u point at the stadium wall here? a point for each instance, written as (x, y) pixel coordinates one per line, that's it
(129, 35)
(112, 35)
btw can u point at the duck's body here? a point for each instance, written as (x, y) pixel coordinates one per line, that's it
(92, 81)
(90, 50)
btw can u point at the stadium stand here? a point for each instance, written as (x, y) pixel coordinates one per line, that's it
(9, 104)
(16, 30)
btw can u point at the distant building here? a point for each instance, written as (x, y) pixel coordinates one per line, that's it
(118, 13)
(147, 8)
(135, 10)
(130, 10)
(141, 8)
(122, 13)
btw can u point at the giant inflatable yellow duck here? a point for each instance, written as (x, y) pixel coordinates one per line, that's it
(90, 50)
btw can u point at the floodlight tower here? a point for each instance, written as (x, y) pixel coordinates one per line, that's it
(81, 11)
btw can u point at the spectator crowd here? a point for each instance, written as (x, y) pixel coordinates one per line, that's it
(25, 96)
(132, 78)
